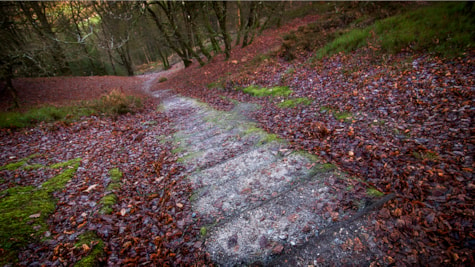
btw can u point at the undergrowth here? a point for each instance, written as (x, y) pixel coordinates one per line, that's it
(447, 29)
(113, 104)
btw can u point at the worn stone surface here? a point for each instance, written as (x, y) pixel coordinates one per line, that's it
(263, 202)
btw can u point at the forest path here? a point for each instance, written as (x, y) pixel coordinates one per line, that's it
(262, 201)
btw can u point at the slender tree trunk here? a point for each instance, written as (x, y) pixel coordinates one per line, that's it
(167, 8)
(182, 54)
(75, 16)
(250, 26)
(212, 37)
(7, 74)
(240, 25)
(164, 58)
(221, 12)
(44, 29)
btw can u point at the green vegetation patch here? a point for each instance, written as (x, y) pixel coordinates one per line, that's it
(25, 210)
(110, 199)
(216, 85)
(113, 104)
(338, 115)
(290, 103)
(262, 91)
(432, 156)
(445, 28)
(203, 231)
(107, 202)
(42, 114)
(266, 137)
(373, 192)
(116, 103)
(343, 115)
(91, 242)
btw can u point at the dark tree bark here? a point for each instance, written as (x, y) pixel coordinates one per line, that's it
(182, 54)
(6, 74)
(220, 8)
(36, 12)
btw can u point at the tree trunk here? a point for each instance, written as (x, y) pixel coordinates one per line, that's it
(45, 30)
(250, 26)
(185, 44)
(75, 12)
(221, 12)
(6, 73)
(181, 53)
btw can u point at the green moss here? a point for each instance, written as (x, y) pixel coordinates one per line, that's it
(25, 210)
(328, 167)
(107, 202)
(189, 156)
(311, 157)
(203, 231)
(216, 85)
(13, 166)
(273, 91)
(65, 164)
(339, 115)
(194, 196)
(110, 199)
(373, 192)
(290, 103)
(177, 150)
(32, 167)
(343, 115)
(96, 246)
(268, 138)
(59, 181)
(115, 174)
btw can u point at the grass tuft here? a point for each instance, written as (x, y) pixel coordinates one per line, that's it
(273, 91)
(113, 104)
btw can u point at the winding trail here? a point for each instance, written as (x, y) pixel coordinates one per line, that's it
(261, 201)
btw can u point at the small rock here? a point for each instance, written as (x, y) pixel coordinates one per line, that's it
(277, 249)
(232, 241)
(263, 242)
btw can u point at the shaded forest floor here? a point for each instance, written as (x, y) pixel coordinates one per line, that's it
(402, 123)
